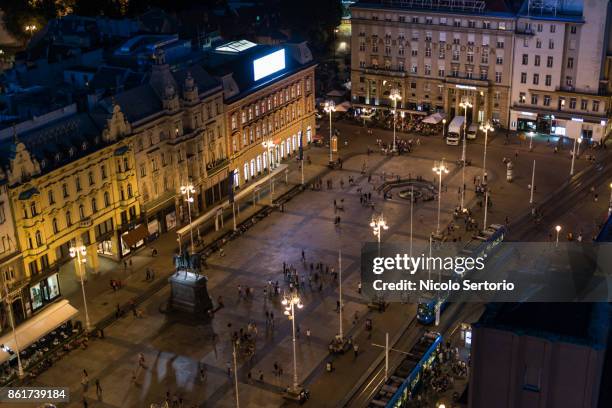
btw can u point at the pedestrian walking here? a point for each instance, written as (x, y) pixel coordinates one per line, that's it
(141, 360)
(308, 335)
(85, 404)
(85, 380)
(202, 372)
(356, 349)
(98, 388)
(229, 369)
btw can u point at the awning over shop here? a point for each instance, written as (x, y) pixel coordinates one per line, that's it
(136, 235)
(343, 107)
(36, 327)
(434, 118)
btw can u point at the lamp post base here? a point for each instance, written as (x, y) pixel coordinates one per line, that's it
(298, 394)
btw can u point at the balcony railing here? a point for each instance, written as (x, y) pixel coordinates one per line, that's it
(86, 222)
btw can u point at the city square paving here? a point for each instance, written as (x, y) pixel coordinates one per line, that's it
(175, 345)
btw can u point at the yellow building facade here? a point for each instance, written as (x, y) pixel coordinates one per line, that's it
(71, 183)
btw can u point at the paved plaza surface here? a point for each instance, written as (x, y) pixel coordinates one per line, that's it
(176, 345)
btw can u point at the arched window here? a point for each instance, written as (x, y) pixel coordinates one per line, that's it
(129, 190)
(106, 199)
(55, 226)
(38, 236)
(68, 219)
(94, 205)
(81, 211)
(246, 172)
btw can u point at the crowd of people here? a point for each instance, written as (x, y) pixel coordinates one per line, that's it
(440, 376)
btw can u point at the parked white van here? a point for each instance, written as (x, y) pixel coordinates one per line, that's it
(454, 131)
(471, 133)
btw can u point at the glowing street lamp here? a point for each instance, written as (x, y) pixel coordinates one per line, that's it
(486, 127)
(30, 29)
(187, 191)
(444, 128)
(330, 106)
(80, 253)
(465, 105)
(291, 302)
(378, 225)
(395, 96)
(579, 143)
(440, 169)
(269, 146)
(558, 229)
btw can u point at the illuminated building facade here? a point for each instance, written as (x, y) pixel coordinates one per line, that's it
(269, 96)
(70, 181)
(437, 56)
(559, 84)
(176, 122)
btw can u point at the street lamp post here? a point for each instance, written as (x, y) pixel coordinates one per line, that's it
(440, 169)
(269, 146)
(532, 183)
(486, 127)
(290, 302)
(395, 96)
(30, 29)
(340, 291)
(573, 158)
(80, 252)
(378, 224)
(187, 191)
(444, 128)
(12, 321)
(530, 135)
(558, 229)
(330, 107)
(236, 375)
(411, 212)
(465, 105)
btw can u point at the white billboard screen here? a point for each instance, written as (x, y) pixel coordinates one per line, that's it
(271, 63)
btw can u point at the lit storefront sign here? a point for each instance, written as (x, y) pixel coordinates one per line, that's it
(45, 291)
(469, 87)
(577, 120)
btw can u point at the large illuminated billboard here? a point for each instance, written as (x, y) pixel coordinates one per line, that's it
(271, 63)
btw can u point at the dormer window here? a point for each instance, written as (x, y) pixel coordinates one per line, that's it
(84, 146)
(58, 157)
(71, 151)
(43, 163)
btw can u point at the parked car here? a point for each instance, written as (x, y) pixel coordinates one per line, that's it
(471, 133)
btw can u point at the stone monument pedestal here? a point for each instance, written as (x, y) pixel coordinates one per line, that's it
(189, 292)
